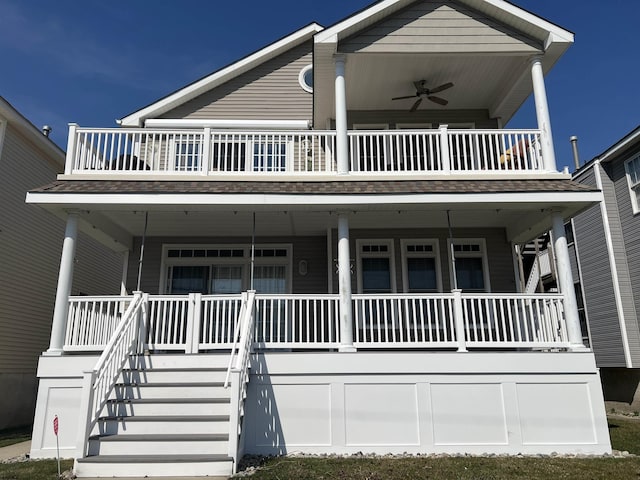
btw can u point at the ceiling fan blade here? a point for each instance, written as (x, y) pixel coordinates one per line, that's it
(438, 100)
(441, 88)
(415, 106)
(403, 98)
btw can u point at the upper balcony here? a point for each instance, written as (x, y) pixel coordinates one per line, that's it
(230, 154)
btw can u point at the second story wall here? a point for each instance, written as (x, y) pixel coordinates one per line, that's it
(270, 91)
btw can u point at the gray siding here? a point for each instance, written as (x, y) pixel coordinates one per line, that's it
(625, 228)
(480, 118)
(439, 27)
(270, 91)
(30, 255)
(604, 326)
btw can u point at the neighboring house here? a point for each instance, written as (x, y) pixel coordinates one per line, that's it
(29, 260)
(607, 250)
(327, 227)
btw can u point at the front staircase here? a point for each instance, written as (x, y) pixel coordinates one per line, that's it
(168, 415)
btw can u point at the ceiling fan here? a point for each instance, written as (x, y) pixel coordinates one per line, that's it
(421, 91)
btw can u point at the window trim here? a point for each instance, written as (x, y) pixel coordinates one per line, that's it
(483, 254)
(244, 261)
(390, 254)
(634, 189)
(435, 253)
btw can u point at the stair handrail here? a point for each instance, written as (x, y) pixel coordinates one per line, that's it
(238, 374)
(99, 382)
(243, 336)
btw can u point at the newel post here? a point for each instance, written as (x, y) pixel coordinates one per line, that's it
(445, 157)
(458, 316)
(193, 323)
(206, 151)
(71, 149)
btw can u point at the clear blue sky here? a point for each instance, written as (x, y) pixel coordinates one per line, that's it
(91, 61)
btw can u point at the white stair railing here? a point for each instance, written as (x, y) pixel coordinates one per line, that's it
(238, 373)
(99, 382)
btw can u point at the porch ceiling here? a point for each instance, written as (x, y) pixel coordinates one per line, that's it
(498, 84)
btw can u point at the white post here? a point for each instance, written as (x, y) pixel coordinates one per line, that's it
(193, 323)
(206, 151)
(71, 149)
(565, 282)
(344, 284)
(542, 113)
(445, 157)
(125, 272)
(342, 141)
(458, 314)
(65, 282)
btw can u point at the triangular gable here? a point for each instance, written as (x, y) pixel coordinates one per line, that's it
(220, 77)
(439, 26)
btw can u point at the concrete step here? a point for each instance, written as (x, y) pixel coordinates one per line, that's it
(173, 375)
(162, 444)
(167, 406)
(156, 424)
(154, 466)
(170, 390)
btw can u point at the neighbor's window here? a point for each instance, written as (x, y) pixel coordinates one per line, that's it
(187, 156)
(633, 178)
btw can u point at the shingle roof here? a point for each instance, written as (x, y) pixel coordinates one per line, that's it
(388, 187)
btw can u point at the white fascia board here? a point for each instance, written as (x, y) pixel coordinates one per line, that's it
(511, 200)
(556, 33)
(221, 123)
(621, 145)
(32, 132)
(219, 77)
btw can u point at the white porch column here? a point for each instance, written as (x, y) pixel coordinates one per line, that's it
(342, 141)
(344, 284)
(565, 282)
(542, 113)
(65, 281)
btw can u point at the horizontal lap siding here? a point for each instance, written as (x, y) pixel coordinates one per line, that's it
(269, 91)
(599, 297)
(439, 27)
(500, 259)
(627, 253)
(30, 257)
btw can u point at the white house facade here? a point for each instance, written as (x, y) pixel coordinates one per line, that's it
(320, 243)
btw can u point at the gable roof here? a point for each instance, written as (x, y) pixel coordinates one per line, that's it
(614, 152)
(136, 119)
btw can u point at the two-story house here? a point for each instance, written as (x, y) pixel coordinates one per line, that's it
(321, 241)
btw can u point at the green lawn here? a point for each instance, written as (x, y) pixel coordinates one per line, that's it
(625, 435)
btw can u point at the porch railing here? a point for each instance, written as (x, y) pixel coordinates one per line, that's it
(210, 152)
(194, 323)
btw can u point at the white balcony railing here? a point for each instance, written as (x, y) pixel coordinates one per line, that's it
(217, 153)
(195, 322)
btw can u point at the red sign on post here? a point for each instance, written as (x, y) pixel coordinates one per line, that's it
(55, 425)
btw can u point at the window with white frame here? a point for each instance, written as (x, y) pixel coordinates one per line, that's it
(471, 265)
(632, 168)
(270, 156)
(224, 269)
(187, 155)
(376, 270)
(421, 266)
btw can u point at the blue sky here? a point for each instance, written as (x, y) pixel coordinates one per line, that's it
(91, 62)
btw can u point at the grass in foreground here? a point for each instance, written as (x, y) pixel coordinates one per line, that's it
(14, 435)
(625, 434)
(33, 470)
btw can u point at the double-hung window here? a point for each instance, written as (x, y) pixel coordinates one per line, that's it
(421, 273)
(632, 168)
